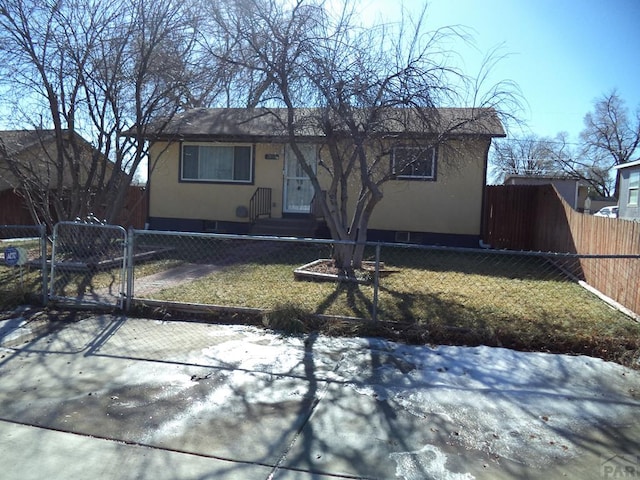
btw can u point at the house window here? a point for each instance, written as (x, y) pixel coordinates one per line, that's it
(216, 163)
(634, 185)
(414, 163)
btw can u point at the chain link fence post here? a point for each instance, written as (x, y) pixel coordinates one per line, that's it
(43, 264)
(130, 246)
(376, 284)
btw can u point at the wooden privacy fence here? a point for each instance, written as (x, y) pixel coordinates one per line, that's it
(135, 208)
(14, 210)
(537, 218)
(508, 216)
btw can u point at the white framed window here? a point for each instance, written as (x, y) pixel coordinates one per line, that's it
(216, 163)
(414, 163)
(634, 186)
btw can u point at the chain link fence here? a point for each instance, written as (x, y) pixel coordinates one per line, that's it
(88, 264)
(399, 283)
(460, 288)
(463, 286)
(23, 266)
(223, 270)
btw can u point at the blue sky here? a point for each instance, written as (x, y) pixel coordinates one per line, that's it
(563, 54)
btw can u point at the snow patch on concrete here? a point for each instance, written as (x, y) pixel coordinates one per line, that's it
(428, 462)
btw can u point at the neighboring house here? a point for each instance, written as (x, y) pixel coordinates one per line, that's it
(210, 168)
(574, 191)
(28, 160)
(595, 203)
(629, 174)
(33, 153)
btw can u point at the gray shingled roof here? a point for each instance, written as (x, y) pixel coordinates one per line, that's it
(16, 141)
(262, 123)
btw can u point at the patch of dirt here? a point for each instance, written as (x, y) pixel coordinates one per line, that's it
(324, 266)
(325, 269)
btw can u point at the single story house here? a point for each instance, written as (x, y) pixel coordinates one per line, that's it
(28, 162)
(210, 168)
(573, 190)
(33, 154)
(628, 202)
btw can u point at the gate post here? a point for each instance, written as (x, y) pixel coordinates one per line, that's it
(54, 241)
(43, 265)
(129, 269)
(376, 282)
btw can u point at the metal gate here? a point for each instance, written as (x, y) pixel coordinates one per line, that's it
(88, 264)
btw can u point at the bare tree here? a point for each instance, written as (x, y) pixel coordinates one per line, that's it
(367, 86)
(87, 69)
(568, 162)
(610, 136)
(522, 156)
(557, 157)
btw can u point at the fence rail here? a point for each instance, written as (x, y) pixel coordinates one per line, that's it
(102, 264)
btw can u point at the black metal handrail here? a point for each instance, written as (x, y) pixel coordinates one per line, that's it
(260, 204)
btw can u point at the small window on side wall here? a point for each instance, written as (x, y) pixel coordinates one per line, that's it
(414, 163)
(634, 187)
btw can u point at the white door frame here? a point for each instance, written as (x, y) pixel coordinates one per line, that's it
(297, 187)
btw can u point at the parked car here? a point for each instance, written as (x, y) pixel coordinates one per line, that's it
(611, 212)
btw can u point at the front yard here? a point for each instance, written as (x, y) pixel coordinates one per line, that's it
(432, 296)
(522, 302)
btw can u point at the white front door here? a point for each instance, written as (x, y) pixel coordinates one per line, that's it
(298, 190)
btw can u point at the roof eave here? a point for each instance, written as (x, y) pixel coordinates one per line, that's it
(626, 165)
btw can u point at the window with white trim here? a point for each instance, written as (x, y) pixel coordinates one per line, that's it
(414, 163)
(217, 163)
(634, 186)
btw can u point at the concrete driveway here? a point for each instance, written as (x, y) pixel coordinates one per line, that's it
(116, 398)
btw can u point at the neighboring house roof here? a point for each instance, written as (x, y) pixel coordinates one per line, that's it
(15, 144)
(522, 179)
(16, 141)
(35, 151)
(567, 187)
(628, 164)
(269, 124)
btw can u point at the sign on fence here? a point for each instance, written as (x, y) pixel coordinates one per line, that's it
(15, 256)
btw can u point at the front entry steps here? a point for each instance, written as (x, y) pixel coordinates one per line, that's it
(301, 227)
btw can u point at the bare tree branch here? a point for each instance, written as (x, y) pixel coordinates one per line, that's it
(90, 71)
(368, 86)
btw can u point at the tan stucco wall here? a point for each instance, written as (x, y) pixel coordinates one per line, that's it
(210, 201)
(450, 205)
(34, 164)
(38, 165)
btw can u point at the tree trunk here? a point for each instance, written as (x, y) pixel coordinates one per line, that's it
(343, 256)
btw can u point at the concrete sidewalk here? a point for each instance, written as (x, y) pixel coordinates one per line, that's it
(113, 398)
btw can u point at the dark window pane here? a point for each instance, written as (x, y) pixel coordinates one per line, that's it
(414, 162)
(219, 163)
(190, 162)
(242, 164)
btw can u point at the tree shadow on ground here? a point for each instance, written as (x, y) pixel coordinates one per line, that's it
(356, 301)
